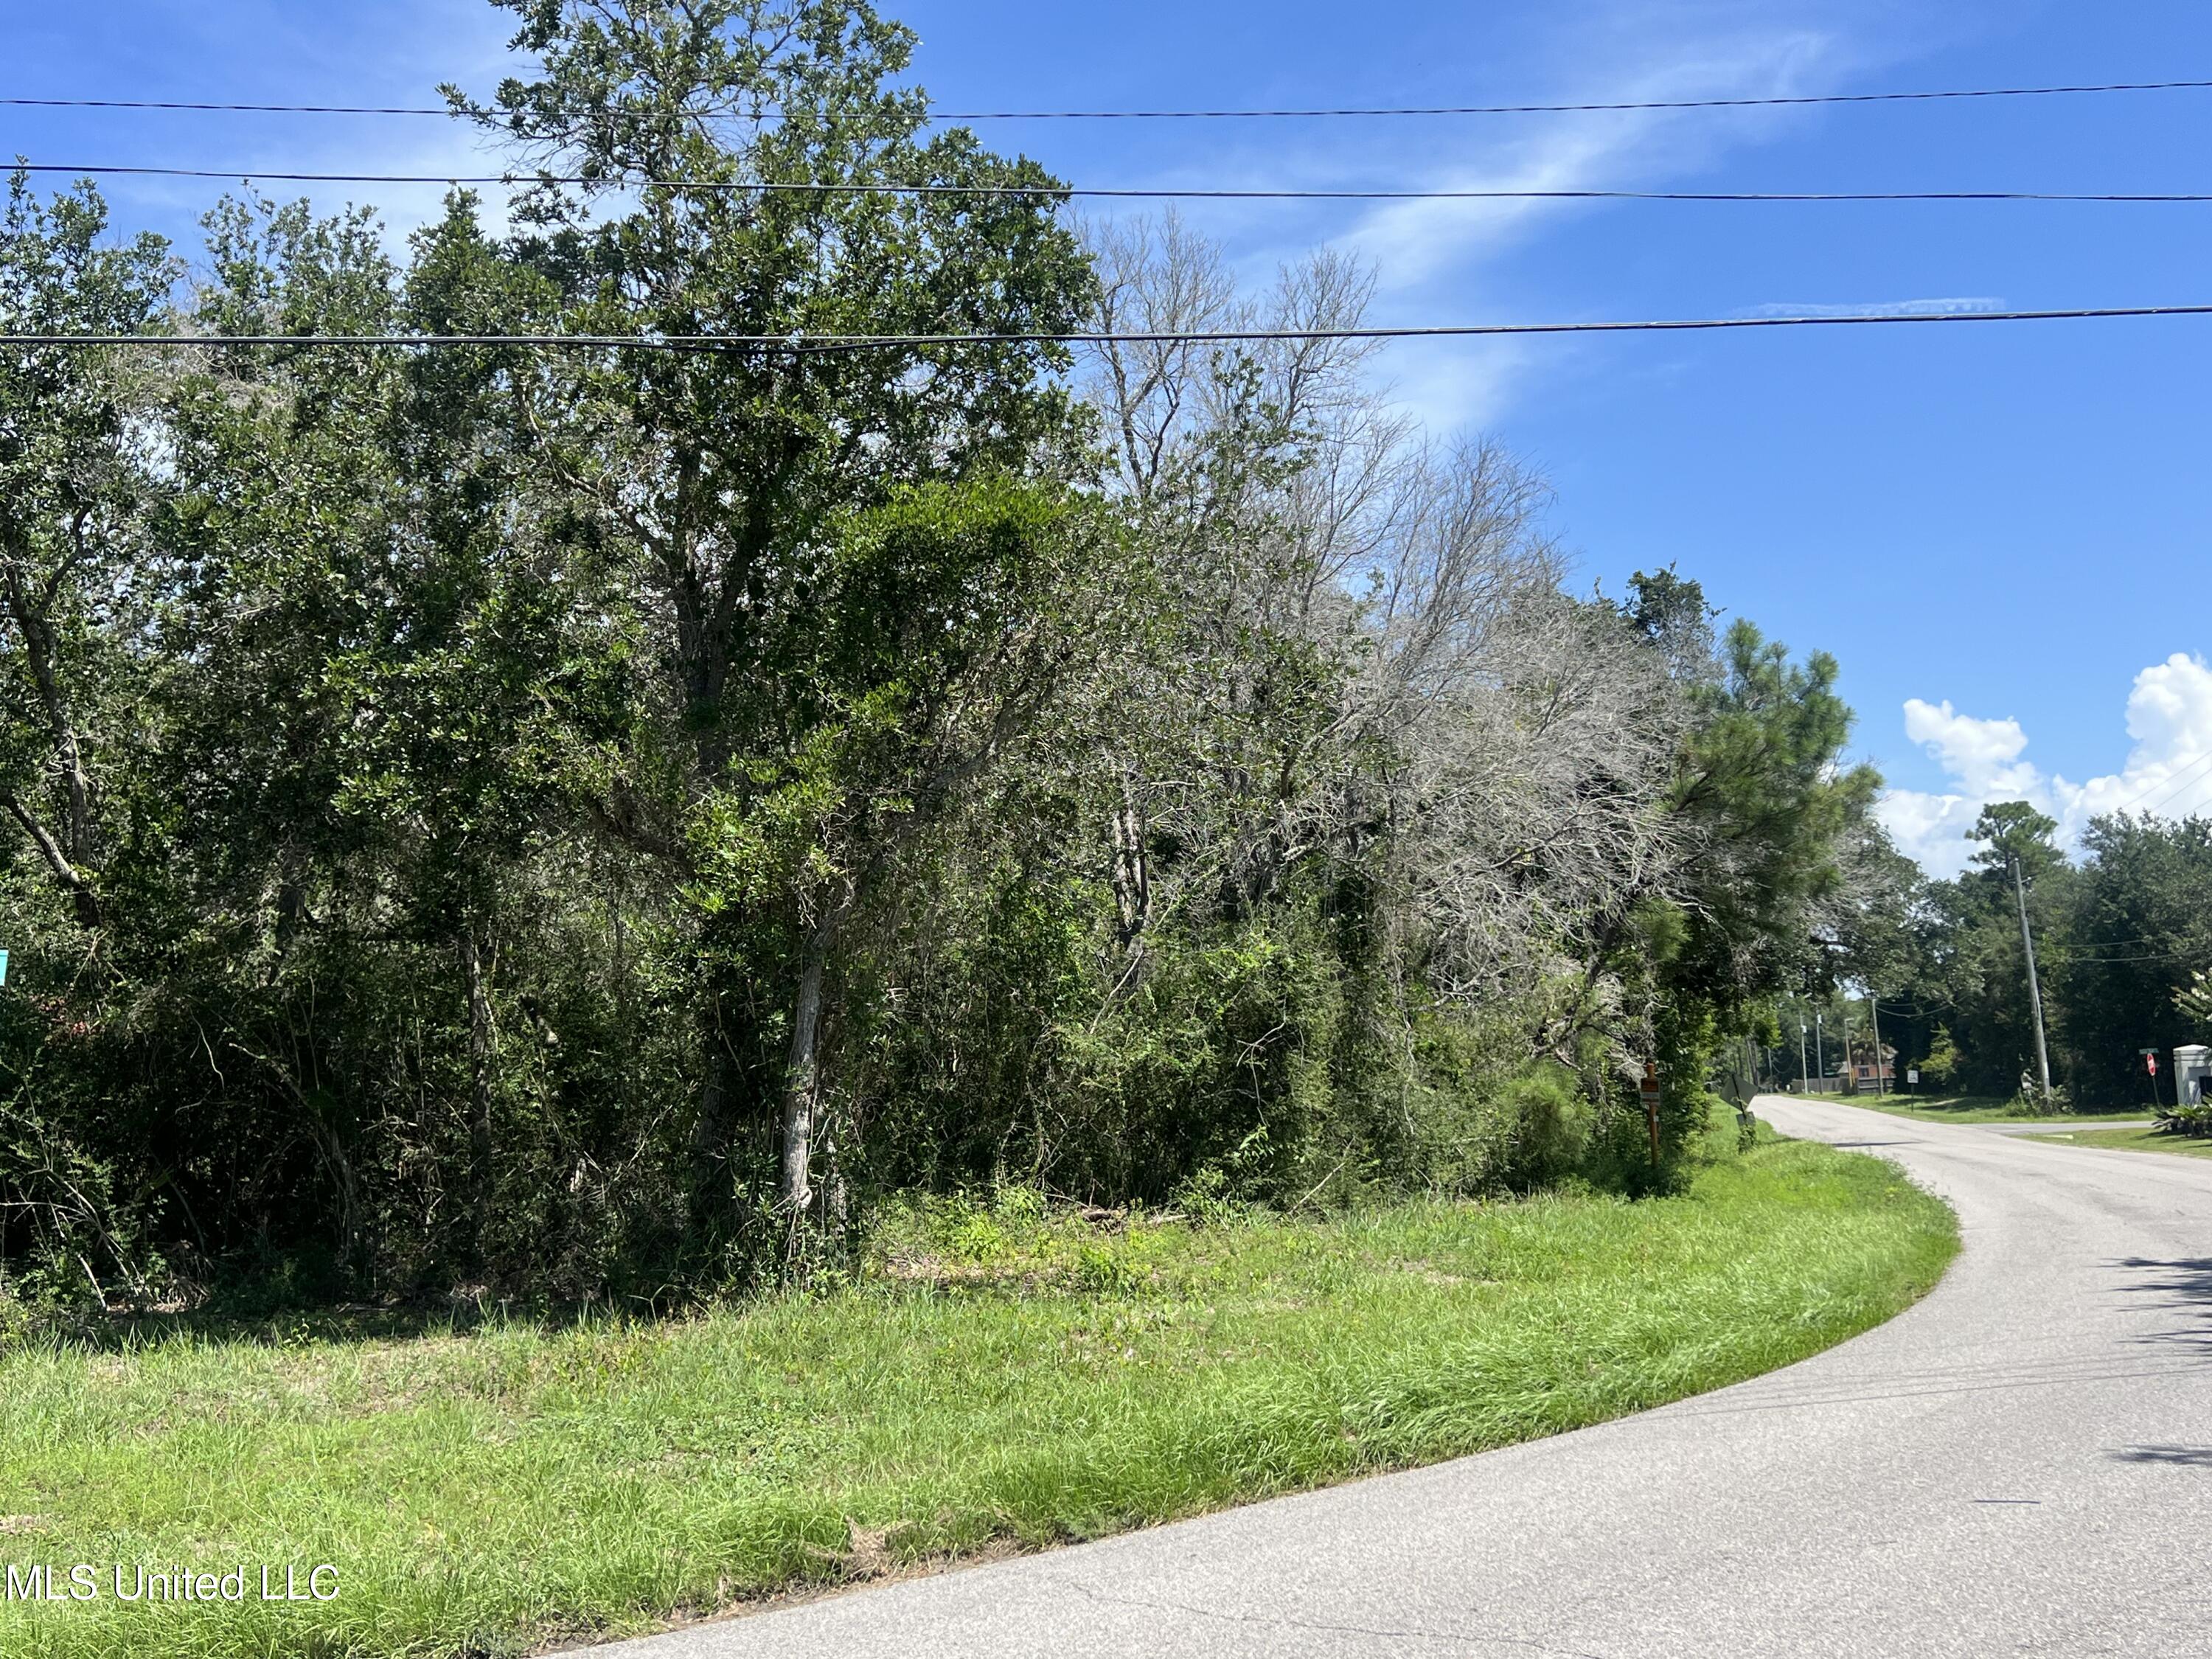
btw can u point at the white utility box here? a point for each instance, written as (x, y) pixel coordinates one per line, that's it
(2193, 1075)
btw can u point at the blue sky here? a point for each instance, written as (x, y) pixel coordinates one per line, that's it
(2000, 530)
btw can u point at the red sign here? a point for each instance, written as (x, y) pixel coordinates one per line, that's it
(2151, 1061)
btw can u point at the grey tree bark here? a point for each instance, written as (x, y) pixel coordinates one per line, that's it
(476, 978)
(803, 1070)
(68, 854)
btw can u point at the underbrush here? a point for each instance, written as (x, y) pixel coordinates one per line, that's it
(996, 1374)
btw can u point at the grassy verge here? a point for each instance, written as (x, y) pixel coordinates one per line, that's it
(1976, 1109)
(2135, 1140)
(998, 1380)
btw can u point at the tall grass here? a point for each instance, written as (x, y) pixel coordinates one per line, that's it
(996, 1379)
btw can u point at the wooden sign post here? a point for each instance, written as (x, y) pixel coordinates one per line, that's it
(1648, 1091)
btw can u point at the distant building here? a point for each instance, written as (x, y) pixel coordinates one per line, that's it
(1868, 1073)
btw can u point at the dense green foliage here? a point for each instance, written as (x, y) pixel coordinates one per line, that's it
(997, 1376)
(591, 823)
(2120, 933)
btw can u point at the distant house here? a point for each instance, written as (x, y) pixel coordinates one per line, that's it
(1866, 1071)
(1860, 1073)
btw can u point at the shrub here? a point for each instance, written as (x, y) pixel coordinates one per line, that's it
(1549, 1124)
(2192, 1120)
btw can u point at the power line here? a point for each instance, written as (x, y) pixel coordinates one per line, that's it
(2200, 761)
(1574, 109)
(2163, 955)
(2181, 781)
(1222, 114)
(222, 109)
(798, 343)
(2119, 943)
(807, 187)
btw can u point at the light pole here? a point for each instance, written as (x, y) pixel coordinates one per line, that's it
(1803, 1082)
(1819, 1059)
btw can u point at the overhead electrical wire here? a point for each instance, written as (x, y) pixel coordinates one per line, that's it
(2180, 781)
(800, 344)
(224, 109)
(808, 187)
(1622, 106)
(1577, 109)
(2122, 944)
(2196, 955)
(2171, 795)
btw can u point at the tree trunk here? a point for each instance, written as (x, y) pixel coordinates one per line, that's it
(38, 649)
(837, 1199)
(85, 902)
(716, 1125)
(711, 1131)
(802, 1072)
(68, 853)
(1133, 883)
(474, 977)
(347, 1182)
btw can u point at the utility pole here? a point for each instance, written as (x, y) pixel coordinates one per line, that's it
(1844, 1019)
(2035, 988)
(1819, 1059)
(1873, 1019)
(1803, 1082)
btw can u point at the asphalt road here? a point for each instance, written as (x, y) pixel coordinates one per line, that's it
(2020, 1464)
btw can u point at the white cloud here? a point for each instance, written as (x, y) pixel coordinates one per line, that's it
(2168, 771)
(1983, 756)
(1880, 308)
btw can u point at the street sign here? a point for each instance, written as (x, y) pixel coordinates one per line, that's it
(4, 967)
(1912, 1075)
(2150, 1059)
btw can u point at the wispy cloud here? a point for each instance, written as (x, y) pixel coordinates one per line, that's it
(1437, 258)
(398, 56)
(1414, 242)
(1878, 308)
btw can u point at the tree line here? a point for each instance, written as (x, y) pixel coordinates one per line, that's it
(588, 822)
(2123, 939)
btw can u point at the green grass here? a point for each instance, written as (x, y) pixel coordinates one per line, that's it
(997, 1382)
(2135, 1140)
(1974, 1108)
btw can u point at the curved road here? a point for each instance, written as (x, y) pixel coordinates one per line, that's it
(2021, 1464)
